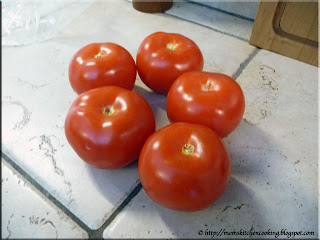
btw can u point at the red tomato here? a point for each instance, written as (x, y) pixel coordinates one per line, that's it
(108, 126)
(184, 167)
(211, 99)
(102, 64)
(162, 57)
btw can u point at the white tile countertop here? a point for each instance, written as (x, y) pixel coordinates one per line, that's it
(28, 214)
(47, 191)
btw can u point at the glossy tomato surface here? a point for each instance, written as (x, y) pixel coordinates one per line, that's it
(184, 167)
(211, 99)
(162, 57)
(102, 64)
(108, 126)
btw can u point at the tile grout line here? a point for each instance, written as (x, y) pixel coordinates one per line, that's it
(220, 10)
(42, 190)
(245, 63)
(211, 28)
(93, 234)
(99, 232)
(214, 8)
(200, 24)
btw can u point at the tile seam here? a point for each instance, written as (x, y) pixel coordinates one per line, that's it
(93, 234)
(221, 10)
(206, 26)
(245, 63)
(99, 232)
(45, 193)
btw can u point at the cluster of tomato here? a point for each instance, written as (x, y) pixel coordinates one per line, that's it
(183, 166)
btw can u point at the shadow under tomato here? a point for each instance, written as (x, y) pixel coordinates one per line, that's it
(116, 184)
(237, 209)
(149, 95)
(251, 151)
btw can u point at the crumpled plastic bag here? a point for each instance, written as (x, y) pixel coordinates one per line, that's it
(28, 21)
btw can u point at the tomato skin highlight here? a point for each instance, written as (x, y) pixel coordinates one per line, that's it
(180, 181)
(108, 126)
(214, 100)
(102, 64)
(162, 57)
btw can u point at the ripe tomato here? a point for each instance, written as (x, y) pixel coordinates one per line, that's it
(184, 167)
(102, 64)
(108, 126)
(162, 57)
(211, 99)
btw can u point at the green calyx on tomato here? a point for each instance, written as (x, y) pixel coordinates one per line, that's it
(171, 46)
(188, 149)
(107, 110)
(98, 55)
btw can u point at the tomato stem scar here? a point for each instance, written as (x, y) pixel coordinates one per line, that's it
(108, 110)
(188, 149)
(171, 46)
(99, 55)
(207, 87)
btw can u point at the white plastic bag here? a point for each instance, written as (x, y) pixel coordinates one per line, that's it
(28, 21)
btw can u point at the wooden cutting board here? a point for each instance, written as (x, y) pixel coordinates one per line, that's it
(289, 28)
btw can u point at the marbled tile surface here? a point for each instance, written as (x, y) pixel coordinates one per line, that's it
(37, 96)
(26, 213)
(274, 151)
